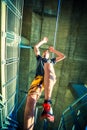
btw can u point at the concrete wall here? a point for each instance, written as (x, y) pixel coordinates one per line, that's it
(71, 40)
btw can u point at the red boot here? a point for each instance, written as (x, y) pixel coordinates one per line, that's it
(47, 112)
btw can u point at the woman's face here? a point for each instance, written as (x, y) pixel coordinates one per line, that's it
(46, 54)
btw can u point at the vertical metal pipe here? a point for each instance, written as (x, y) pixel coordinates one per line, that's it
(45, 124)
(56, 28)
(42, 17)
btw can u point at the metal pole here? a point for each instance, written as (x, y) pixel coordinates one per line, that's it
(56, 28)
(45, 124)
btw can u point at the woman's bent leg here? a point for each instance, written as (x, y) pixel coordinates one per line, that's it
(29, 112)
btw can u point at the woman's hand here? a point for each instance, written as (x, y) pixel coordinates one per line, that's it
(45, 39)
(51, 49)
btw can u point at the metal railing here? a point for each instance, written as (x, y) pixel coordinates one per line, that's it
(75, 116)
